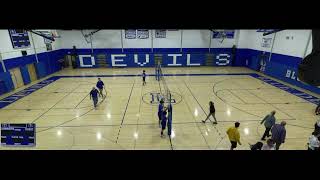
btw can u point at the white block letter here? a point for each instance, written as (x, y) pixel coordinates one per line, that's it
(288, 73)
(136, 60)
(93, 62)
(174, 59)
(114, 60)
(189, 63)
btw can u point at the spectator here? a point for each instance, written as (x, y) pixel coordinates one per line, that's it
(317, 127)
(256, 146)
(314, 143)
(234, 135)
(279, 134)
(318, 109)
(269, 121)
(212, 113)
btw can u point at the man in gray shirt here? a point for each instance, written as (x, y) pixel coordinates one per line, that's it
(279, 133)
(269, 121)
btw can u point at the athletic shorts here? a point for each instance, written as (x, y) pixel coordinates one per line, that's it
(233, 144)
(163, 124)
(144, 78)
(159, 116)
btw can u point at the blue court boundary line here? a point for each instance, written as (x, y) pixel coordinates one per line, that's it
(23, 93)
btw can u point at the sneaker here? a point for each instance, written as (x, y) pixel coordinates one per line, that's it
(215, 123)
(203, 121)
(263, 139)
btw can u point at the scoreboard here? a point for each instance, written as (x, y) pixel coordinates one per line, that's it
(19, 38)
(18, 135)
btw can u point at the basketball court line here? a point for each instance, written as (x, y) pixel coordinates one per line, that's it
(148, 124)
(52, 106)
(201, 107)
(4, 102)
(125, 111)
(172, 75)
(137, 127)
(195, 122)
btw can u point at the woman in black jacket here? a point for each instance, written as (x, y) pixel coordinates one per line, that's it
(212, 113)
(318, 109)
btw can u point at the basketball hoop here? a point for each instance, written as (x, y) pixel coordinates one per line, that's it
(55, 34)
(223, 36)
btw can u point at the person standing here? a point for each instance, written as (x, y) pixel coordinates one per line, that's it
(74, 56)
(212, 113)
(163, 122)
(234, 135)
(317, 127)
(144, 78)
(100, 86)
(160, 111)
(317, 111)
(269, 121)
(94, 95)
(279, 134)
(314, 143)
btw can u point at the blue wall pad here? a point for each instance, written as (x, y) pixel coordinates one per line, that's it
(3, 88)
(49, 58)
(1, 69)
(41, 69)
(19, 61)
(6, 77)
(288, 74)
(25, 75)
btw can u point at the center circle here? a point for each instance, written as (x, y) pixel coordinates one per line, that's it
(153, 98)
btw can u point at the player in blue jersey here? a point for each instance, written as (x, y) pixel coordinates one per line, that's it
(160, 111)
(163, 122)
(144, 77)
(94, 95)
(100, 86)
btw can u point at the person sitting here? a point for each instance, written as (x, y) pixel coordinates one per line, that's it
(269, 145)
(314, 143)
(317, 127)
(256, 146)
(318, 109)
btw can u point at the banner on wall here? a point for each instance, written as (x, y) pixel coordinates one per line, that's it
(130, 34)
(162, 33)
(218, 34)
(266, 42)
(142, 34)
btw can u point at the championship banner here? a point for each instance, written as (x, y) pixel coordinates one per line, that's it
(218, 34)
(130, 34)
(142, 34)
(161, 33)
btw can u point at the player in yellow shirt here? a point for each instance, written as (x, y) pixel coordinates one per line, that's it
(234, 135)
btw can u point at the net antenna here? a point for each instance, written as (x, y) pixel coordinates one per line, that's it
(87, 34)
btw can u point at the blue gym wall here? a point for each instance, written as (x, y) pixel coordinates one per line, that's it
(48, 64)
(286, 55)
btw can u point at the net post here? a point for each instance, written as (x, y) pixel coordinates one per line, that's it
(170, 117)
